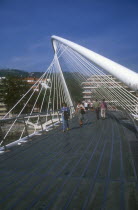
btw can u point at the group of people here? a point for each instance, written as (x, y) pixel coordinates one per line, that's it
(81, 109)
(100, 106)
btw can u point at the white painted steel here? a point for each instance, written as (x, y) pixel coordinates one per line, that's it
(62, 76)
(64, 83)
(127, 76)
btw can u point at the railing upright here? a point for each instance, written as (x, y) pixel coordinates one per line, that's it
(41, 123)
(2, 139)
(52, 119)
(26, 130)
(58, 116)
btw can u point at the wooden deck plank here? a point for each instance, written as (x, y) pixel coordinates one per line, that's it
(93, 167)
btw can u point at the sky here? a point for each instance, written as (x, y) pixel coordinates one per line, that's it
(107, 27)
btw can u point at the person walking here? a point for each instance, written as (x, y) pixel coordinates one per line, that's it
(65, 117)
(91, 105)
(81, 111)
(86, 105)
(103, 109)
(96, 106)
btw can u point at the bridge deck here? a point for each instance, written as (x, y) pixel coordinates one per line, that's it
(93, 167)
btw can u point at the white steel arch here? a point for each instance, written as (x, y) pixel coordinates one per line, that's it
(66, 88)
(127, 76)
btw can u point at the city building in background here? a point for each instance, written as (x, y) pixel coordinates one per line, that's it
(96, 87)
(33, 81)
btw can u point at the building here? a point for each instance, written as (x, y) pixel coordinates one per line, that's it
(97, 85)
(33, 81)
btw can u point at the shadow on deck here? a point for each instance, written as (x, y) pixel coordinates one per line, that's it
(94, 167)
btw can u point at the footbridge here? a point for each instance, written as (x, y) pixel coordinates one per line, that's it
(93, 167)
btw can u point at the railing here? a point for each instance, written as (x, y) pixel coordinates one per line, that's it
(23, 127)
(82, 66)
(19, 129)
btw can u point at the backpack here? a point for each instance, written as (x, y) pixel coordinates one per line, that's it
(66, 115)
(82, 111)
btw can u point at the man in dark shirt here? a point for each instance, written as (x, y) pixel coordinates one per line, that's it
(65, 116)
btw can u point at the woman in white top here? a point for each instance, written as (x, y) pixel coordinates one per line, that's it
(81, 111)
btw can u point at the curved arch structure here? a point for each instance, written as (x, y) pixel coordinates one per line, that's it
(127, 76)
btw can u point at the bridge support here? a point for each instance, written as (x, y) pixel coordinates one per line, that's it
(127, 76)
(70, 104)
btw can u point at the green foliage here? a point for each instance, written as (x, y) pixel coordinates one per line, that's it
(40, 104)
(14, 88)
(13, 73)
(74, 87)
(19, 73)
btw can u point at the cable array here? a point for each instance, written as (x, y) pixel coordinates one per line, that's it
(47, 102)
(100, 83)
(54, 90)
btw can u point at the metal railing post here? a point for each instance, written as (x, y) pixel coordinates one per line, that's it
(51, 119)
(58, 116)
(41, 123)
(26, 130)
(2, 140)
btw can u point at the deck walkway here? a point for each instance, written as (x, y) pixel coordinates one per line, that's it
(94, 167)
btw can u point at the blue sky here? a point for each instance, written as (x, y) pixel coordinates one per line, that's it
(107, 27)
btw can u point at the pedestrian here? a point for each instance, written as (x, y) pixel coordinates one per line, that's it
(96, 106)
(91, 105)
(81, 111)
(103, 109)
(86, 105)
(65, 117)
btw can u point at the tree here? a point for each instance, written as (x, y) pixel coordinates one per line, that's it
(14, 88)
(74, 87)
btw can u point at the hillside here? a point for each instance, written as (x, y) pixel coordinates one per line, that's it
(18, 73)
(74, 87)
